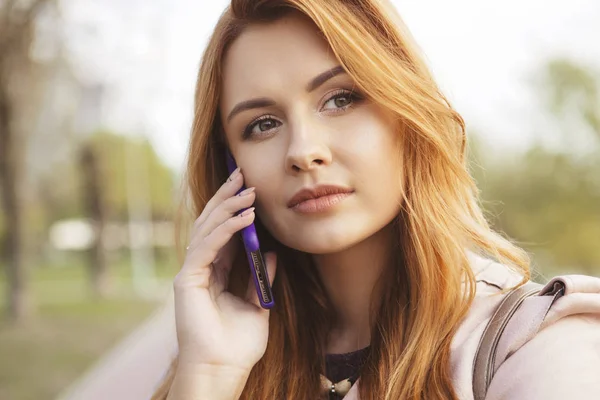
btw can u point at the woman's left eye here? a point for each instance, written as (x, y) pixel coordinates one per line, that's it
(342, 100)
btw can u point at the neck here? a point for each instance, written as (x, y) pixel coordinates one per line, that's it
(351, 279)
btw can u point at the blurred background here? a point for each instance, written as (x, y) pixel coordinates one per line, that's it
(95, 110)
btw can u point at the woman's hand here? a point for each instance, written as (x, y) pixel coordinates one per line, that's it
(215, 329)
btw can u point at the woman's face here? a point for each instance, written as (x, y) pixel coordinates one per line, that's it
(299, 132)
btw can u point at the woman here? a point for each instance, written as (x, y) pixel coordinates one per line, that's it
(390, 276)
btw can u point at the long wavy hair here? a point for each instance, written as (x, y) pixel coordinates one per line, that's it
(432, 286)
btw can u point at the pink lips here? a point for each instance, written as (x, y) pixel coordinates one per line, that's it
(318, 198)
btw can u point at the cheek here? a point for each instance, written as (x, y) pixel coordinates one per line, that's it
(377, 166)
(265, 176)
(257, 168)
(373, 147)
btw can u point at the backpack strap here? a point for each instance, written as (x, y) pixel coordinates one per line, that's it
(483, 366)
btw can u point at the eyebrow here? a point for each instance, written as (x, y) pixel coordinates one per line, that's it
(265, 102)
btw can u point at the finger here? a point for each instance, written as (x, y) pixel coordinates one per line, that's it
(271, 263)
(220, 213)
(223, 264)
(229, 188)
(228, 252)
(226, 210)
(219, 237)
(197, 264)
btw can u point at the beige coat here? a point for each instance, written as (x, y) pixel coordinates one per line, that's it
(544, 354)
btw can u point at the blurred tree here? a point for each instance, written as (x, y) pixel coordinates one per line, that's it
(93, 184)
(62, 186)
(571, 91)
(95, 207)
(548, 199)
(551, 206)
(112, 151)
(17, 32)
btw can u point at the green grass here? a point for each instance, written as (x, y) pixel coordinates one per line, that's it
(69, 331)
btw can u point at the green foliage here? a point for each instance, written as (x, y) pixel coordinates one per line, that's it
(548, 200)
(570, 88)
(61, 188)
(550, 204)
(58, 193)
(121, 155)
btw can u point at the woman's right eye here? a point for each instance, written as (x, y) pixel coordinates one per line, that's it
(260, 126)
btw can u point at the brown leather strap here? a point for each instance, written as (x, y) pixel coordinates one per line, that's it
(486, 351)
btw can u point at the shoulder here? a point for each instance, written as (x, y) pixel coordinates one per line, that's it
(492, 278)
(539, 341)
(561, 361)
(552, 349)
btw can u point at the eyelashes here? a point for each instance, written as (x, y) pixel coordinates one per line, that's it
(257, 122)
(269, 122)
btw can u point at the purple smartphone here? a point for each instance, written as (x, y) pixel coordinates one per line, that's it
(258, 269)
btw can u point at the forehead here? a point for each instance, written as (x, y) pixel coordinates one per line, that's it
(284, 54)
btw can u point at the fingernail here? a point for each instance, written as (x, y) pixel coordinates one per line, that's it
(235, 173)
(246, 192)
(247, 212)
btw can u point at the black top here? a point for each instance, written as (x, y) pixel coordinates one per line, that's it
(343, 366)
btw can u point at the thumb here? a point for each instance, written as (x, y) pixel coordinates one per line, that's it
(271, 264)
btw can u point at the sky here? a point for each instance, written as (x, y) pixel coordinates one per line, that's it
(482, 53)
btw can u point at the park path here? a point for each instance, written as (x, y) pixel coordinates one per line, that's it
(135, 366)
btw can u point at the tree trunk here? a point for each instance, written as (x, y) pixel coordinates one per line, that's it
(96, 210)
(12, 207)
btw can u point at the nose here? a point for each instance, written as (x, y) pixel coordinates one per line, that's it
(307, 149)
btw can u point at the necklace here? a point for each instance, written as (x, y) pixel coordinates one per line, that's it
(342, 387)
(354, 360)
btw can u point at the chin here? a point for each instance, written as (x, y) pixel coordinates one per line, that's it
(322, 242)
(330, 234)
